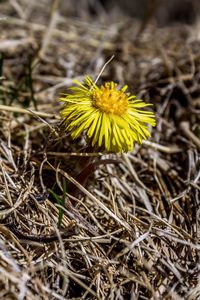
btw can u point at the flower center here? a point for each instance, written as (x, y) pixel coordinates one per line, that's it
(110, 100)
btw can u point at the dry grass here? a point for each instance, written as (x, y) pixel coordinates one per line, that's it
(132, 230)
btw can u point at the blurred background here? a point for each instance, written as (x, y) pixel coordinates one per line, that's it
(164, 12)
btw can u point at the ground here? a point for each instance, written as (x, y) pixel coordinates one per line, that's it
(131, 229)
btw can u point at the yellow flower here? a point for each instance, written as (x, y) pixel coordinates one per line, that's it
(112, 118)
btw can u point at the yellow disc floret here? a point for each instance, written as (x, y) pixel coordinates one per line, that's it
(110, 100)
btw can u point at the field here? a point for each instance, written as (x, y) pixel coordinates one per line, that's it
(129, 226)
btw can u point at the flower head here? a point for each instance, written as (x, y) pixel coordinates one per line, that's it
(112, 118)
